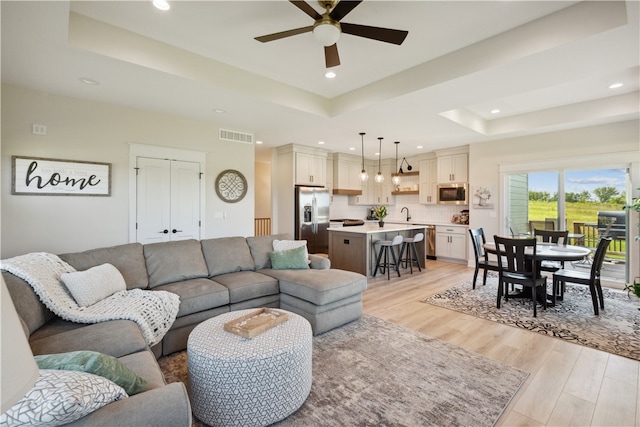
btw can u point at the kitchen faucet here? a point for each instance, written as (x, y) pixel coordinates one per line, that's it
(408, 216)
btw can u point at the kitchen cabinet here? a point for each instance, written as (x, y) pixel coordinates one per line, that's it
(382, 192)
(329, 178)
(453, 168)
(451, 243)
(310, 169)
(367, 196)
(428, 169)
(346, 174)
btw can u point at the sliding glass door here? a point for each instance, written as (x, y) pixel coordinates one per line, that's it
(586, 202)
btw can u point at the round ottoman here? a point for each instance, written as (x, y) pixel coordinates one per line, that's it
(237, 381)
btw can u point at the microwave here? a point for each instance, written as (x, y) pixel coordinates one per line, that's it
(453, 194)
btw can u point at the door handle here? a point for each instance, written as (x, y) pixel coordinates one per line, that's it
(176, 231)
(165, 231)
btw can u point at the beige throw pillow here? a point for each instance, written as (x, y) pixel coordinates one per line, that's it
(95, 284)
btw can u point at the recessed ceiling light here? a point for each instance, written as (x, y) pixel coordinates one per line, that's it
(321, 142)
(89, 81)
(615, 86)
(495, 111)
(419, 147)
(219, 110)
(162, 4)
(258, 142)
(352, 148)
(377, 154)
(330, 75)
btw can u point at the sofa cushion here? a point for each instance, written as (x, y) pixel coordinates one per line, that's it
(197, 295)
(246, 285)
(290, 259)
(169, 262)
(93, 285)
(60, 397)
(114, 337)
(227, 255)
(319, 286)
(260, 247)
(128, 259)
(96, 363)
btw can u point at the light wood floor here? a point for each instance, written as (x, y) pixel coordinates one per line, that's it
(568, 384)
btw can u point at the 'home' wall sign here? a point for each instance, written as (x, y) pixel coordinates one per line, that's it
(55, 177)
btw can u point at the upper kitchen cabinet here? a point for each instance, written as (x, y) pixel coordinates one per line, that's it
(346, 175)
(383, 191)
(311, 168)
(300, 165)
(428, 169)
(453, 167)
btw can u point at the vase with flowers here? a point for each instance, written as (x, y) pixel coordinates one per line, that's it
(380, 213)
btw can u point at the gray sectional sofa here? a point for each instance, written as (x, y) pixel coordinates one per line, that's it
(211, 277)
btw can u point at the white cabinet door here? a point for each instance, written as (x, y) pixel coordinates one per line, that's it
(428, 181)
(451, 242)
(453, 168)
(310, 169)
(168, 200)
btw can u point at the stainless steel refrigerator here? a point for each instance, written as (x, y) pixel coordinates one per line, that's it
(312, 218)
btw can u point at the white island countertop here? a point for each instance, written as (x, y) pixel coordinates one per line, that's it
(371, 228)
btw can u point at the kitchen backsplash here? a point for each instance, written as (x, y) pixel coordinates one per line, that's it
(340, 209)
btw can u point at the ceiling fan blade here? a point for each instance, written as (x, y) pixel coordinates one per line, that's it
(387, 35)
(283, 34)
(306, 8)
(343, 8)
(331, 57)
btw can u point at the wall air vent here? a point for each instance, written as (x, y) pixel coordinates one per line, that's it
(232, 135)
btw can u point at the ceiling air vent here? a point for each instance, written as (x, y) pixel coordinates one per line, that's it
(232, 135)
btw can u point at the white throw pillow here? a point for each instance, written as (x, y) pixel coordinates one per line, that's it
(285, 245)
(95, 284)
(60, 397)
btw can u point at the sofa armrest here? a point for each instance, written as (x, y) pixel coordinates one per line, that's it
(165, 406)
(319, 262)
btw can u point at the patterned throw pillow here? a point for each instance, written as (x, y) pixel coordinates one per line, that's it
(60, 397)
(95, 363)
(95, 284)
(283, 245)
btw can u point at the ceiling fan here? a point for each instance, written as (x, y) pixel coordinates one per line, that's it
(327, 28)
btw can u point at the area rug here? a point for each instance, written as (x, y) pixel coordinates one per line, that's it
(374, 373)
(615, 330)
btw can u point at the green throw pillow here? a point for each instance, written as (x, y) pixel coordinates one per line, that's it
(290, 259)
(94, 363)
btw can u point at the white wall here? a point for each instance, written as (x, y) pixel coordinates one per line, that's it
(263, 190)
(592, 143)
(83, 130)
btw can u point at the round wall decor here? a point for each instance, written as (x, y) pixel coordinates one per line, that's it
(231, 186)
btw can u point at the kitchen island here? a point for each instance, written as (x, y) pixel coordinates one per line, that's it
(353, 248)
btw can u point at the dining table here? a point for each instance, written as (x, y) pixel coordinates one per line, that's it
(548, 252)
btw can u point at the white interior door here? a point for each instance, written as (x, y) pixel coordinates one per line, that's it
(168, 200)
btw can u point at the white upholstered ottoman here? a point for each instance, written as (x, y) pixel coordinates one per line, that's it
(235, 381)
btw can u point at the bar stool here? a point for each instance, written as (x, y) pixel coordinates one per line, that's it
(409, 245)
(385, 247)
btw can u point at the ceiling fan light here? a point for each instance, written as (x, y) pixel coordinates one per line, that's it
(327, 32)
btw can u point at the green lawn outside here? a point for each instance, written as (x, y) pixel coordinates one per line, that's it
(577, 212)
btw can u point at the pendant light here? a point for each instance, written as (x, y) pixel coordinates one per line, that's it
(363, 174)
(396, 176)
(379, 177)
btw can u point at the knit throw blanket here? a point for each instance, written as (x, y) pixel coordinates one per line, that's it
(153, 311)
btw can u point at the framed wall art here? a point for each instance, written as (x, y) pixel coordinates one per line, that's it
(231, 186)
(56, 177)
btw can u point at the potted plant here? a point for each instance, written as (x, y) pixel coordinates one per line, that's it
(380, 214)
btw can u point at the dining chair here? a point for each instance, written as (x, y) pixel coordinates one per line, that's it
(481, 257)
(513, 229)
(551, 236)
(519, 267)
(591, 279)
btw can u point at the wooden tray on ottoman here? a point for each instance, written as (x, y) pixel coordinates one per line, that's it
(255, 323)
